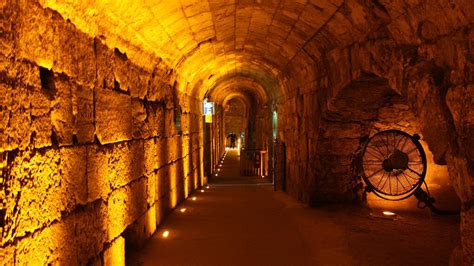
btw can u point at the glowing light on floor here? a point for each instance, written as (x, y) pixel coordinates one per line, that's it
(193, 198)
(208, 187)
(389, 214)
(165, 234)
(202, 190)
(182, 209)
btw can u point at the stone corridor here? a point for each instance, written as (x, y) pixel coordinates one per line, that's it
(113, 114)
(248, 223)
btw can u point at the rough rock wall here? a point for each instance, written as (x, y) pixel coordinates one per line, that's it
(91, 160)
(425, 55)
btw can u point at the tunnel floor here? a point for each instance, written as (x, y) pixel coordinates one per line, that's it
(250, 224)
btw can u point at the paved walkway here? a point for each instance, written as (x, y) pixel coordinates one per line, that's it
(230, 172)
(253, 225)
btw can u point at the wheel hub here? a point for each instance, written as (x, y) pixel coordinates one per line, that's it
(396, 160)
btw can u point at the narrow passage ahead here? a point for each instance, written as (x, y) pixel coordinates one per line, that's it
(250, 224)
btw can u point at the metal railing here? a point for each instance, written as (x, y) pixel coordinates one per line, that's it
(254, 163)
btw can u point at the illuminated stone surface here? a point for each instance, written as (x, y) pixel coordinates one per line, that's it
(102, 99)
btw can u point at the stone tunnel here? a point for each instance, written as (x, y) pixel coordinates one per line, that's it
(114, 114)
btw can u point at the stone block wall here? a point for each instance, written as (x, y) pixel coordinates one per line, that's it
(235, 118)
(91, 159)
(432, 79)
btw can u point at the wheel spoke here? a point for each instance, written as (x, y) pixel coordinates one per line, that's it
(387, 144)
(390, 182)
(374, 155)
(379, 149)
(375, 148)
(408, 181)
(374, 173)
(380, 181)
(404, 144)
(398, 142)
(398, 181)
(412, 150)
(384, 183)
(411, 177)
(414, 171)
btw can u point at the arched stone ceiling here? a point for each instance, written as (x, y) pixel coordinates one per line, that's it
(245, 101)
(238, 85)
(208, 37)
(174, 28)
(213, 38)
(216, 69)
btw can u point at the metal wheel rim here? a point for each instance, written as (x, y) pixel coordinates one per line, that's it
(410, 183)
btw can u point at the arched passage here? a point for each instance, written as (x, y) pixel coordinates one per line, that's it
(348, 121)
(102, 133)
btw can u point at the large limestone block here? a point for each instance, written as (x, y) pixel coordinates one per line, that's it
(196, 158)
(74, 175)
(124, 71)
(138, 232)
(34, 28)
(36, 194)
(175, 148)
(185, 146)
(4, 117)
(105, 65)
(113, 116)
(72, 47)
(158, 87)
(185, 123)
(16, 111)
(163, 182)
(140, 81)
(156, 119)
(125, 205)
(41, 125)
(8, 9)
(115, 254)
(169, 125)
(126, 163)
(62, 116)
(98, 185)
(151, 155)
(83, 111)
(113, 166)
(152, 187)
(86, 229)
(140, 128)
(148, 119)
